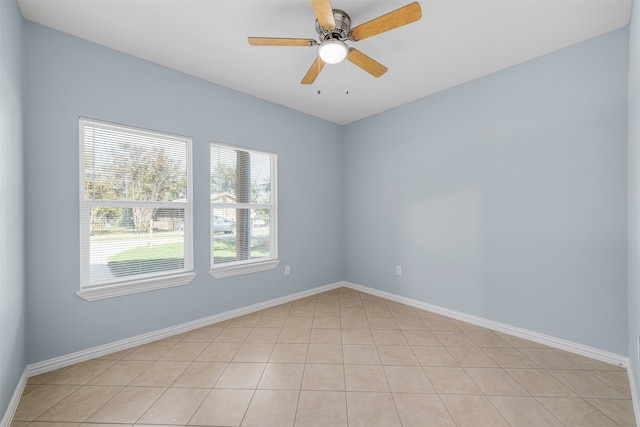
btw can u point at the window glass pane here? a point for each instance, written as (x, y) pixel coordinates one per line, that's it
(118, 248)
(233, 227)
(240, 176)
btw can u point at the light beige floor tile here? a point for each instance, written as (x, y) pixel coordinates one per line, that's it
(289, 353)
(82, 373)
(152, 351)
(122, 373)
(219, 352)
(584, 384)
(355, 323)
(365, 378)
(223, 407)
(326, 322)
(299, 322)
(617, 379)
(324, 353)
(538, 382)
(204, 334)
(184, 351)
(241, 375)
(524, 412)
(495, 382)
(440, 324)
(118, 355)
(175, 406)
(472, 357)
(422, 410)
(282, 376)
(408, 379)
(397, 355)
(323, 377)
(620, 411)
(357, 336)
(295, 336)
(272, 408)
(230, 334)
(326, 336)
(434, 356)
(587, 363)
(453, 338)
(421, 338)
(547, 358)
(46, 377)
(200, 375)
(447, 380)
(372, 410)
(263, 335)
(518, 342)
(247, 321)
(327, 311)
(127, 406)
(360, 354)
(389, 337)
(485, 338)
(161, 374)
(77, 407)
(509, 357)
(473, 411)
(411, 324)
(41, 399)
(254, 352)
(382, 322)
(321, 409)
(272, 321)
(575, 412)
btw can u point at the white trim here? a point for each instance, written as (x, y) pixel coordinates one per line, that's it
(246, 268)
(583, 350)
(91, 353)
(15, 400)
(635, 398)
(136, 286)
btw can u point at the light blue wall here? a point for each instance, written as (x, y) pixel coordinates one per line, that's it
(12, 263)
(68, 77)
(504, 197)
(634, 190)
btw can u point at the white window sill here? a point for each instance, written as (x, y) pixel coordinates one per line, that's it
(136, 286)
(236, 270)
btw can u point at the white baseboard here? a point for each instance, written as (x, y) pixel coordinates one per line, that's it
(635, 398)
(583, 350)
(92, 353)
(15, 400)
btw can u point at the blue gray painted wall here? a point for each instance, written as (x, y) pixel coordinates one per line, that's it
(68, 77)
(504, 197)
(12, 262)
(634, 191)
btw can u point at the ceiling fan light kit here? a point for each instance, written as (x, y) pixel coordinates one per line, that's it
(333, 27)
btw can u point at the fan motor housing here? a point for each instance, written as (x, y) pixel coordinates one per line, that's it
(340, 31)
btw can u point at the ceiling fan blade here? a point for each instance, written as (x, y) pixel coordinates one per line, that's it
(313, 72)
(371, 66)
(399, 17)
(324, 13)
(273, 41)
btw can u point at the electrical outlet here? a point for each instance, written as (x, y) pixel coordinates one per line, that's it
(398, 270)
(287, 270)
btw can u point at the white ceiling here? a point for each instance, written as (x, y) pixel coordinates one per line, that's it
(455, 41)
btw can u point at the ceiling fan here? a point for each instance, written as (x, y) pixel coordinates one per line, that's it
(334, 28)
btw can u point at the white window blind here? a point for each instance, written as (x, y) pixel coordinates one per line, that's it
(135, 210)
(243, 210)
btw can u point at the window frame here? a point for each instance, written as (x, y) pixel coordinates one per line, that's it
(237, 268)
(137, 283)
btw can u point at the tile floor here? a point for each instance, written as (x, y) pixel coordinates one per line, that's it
(340, 358)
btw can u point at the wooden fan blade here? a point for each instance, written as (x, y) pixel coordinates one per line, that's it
(272, 41)
(403, 16)
(313, 72)
(324, 13)
(371, 66)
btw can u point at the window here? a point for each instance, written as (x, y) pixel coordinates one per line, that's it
(135, 210)
(243, 211)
